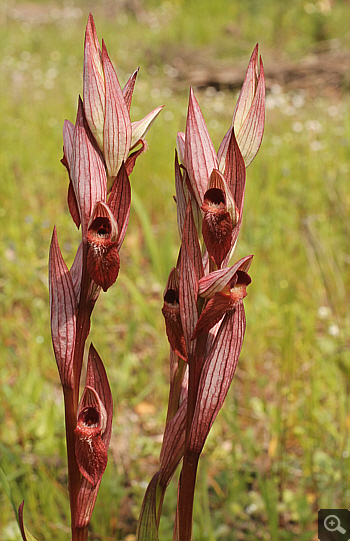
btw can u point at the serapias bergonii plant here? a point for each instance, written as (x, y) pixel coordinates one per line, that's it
(203, 297)
(100, 152)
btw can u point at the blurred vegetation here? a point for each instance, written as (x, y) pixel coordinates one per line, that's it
(280, 448)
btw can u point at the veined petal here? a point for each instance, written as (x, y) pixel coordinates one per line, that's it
(200, 157)
(141, 127)
(219, 305)
(129, 88)
(117, 127)
(94, 83)
(218, 280)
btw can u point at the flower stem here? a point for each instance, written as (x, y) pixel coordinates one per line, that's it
(74, 477)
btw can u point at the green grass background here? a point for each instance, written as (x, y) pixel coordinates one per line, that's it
(279, 449)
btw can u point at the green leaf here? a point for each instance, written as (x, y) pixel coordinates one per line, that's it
(147, 527)
(7, 489)
(27, 536)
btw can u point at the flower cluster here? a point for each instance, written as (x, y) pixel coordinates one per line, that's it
(203, 299)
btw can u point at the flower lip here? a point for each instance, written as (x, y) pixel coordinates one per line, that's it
(100, 228)
(171, 297)
(243, 278)
(214, 197)
(90, 417)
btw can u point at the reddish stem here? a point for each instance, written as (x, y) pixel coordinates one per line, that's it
(190, 460)
(186, 495)
(74, 477)
(71, 399)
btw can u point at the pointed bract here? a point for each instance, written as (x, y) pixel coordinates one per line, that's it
(141, 127)
(217, 375)
(117, 127)
(94, 83)
(63, 305)
(249, 115)
(199, 157)
(119, 203)
(87, 172)
(128, 89)
(250, 135)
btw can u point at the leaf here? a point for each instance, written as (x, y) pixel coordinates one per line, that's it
(26, 535)
(173, 444)
(63, 305)
(7, 489)
(147, 527)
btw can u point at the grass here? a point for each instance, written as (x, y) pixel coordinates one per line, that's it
(280, 448)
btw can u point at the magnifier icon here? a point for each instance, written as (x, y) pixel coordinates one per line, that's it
(332, 524)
